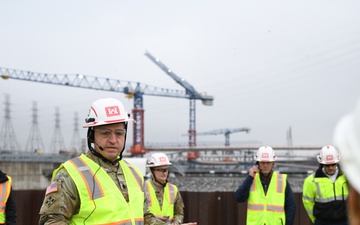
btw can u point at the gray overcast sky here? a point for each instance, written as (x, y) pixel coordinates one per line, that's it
(269, 64)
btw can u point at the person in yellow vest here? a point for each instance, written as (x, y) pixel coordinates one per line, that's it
(164, 198)
(270, 200)
(325, 192)
(7, 202)
(347, 140)
(99, 187)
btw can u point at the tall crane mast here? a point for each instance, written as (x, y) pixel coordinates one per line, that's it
(226, 132)
(131, 89)
(193, 95)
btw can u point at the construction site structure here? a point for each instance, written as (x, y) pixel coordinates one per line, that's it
(57, 142)
(193, 95)
(34, 141)
(134, 90)
(226, 132)
(8, 140)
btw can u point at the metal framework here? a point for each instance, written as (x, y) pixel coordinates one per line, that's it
(193, 95)
(131, 89)
(225, 132)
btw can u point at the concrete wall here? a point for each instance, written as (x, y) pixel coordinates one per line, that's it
(29, 175)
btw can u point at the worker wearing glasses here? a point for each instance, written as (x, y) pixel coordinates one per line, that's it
(164, 198)
(99, 187)
(325, 192)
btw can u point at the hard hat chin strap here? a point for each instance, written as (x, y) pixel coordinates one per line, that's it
(154, 178)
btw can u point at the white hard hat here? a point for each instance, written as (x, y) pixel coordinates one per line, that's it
(347, 140)
(158, 159)
(328, 155)
(265, 154)
(106, 111)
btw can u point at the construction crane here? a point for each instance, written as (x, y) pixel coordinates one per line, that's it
(193, 95)
(226, 132)
(134, 90)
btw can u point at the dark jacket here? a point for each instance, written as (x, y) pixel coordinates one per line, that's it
(242, 194)
(10, 210)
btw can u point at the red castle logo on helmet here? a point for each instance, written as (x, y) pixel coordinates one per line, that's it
(329, 157)
(265, 155)
(162, 159)
(112, 111)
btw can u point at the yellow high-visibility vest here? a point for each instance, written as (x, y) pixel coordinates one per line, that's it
(167, 208)
(267, 209)
(101, 202)
(5, 189)
(322, 190)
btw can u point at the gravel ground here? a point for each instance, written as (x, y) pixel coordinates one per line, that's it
(221, 184)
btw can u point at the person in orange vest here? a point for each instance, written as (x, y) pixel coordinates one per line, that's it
(269, 196)
(164, 198)
(99, 187)
(347, 140)
(7, 202)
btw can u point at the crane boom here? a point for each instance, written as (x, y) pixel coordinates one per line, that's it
(92, 82)
(206, 100)
(226, 132)
(195, 95)
(131, 89)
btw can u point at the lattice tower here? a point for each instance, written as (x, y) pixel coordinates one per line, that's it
(75, 145)
(57, 141)
(34, 141)
(7, 135)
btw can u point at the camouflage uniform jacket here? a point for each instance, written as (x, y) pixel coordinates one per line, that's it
(59, 205)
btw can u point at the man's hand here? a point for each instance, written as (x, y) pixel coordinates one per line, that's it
(253, 170)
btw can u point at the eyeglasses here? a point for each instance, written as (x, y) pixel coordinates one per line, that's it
(106, 133)
(161, 170)
(328, 165)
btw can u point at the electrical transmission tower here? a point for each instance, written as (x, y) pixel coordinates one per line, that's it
(7, 135)
(34, 141)
(75, 145)
(57, 141)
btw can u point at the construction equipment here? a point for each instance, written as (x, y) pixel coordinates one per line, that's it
(131, 89)
(226, 132)
(192, 93)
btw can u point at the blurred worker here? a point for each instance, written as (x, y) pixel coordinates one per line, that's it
(325, 191)
(7, 202)
(347, 140)
(99, 187)
(164, 198)
(269, 196)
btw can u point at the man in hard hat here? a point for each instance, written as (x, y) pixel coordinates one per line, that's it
(347, 140)
(164, 198)
(269, 196)
(7, 202)
(325, 191)
(99, 187)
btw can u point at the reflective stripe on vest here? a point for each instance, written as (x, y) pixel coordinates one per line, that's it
(167, 208)
(102, 203)
(336, 192)
(267, 208)
(4, 195)
(92, 183)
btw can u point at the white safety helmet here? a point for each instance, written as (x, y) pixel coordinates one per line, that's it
(265, 154)
(158, 159)
(347, 140)
(328, 155)
(106, 111)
